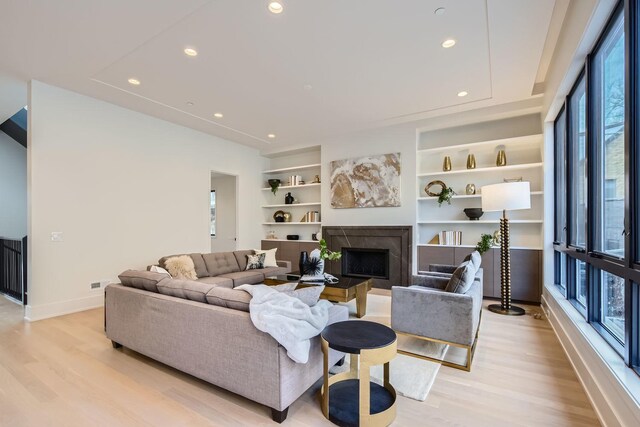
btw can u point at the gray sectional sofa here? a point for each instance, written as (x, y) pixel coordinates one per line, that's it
(204, 328)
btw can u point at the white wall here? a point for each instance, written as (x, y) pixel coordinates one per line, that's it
(13, 188)
(124, 188)
(225, 187)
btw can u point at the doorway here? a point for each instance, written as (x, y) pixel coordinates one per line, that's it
(223, 207)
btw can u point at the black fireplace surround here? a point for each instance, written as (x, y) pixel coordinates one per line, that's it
(382, 253)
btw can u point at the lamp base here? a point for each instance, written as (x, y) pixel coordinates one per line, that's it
(513, 311)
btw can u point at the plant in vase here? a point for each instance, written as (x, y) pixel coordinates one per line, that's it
(445, 196)
(485, 243)
(274, 184)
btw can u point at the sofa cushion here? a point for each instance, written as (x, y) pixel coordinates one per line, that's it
(270, 259)
(462, 278)
(250, 277)
(241, 258)
(221, 282)
(229, 298)
(255, 262)
(198, 263)
(220, 263)
(181, 267)
(146, 280)
(273, 271)
(185, 289)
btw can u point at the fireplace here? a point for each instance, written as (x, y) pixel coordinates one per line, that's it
(382, 253)
(363, 262)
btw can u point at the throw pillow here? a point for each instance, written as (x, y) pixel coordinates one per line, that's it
(309, 296)
(158, 269)
(462, 278)
(475, 258)
(255, 262)
(270, 256)
(181, 267)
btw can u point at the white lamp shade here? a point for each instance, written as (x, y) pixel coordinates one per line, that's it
(508, 196)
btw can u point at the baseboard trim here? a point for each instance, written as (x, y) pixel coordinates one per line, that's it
(33, 313)
(611, 387)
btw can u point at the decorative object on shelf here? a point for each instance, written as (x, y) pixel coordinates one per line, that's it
(319, 235)
(471, 161)
(473, 214)
(295, 180)
(450, 238)
(278, 216)
(302, 261)
(428, 191)
(301, 182)
(518, 179)
(314, 236)
(366, 182)
(274, 184)
(484, 244)
(497, 238)
(504, 197)
(271, 235)
(293, 237)
(501, 159)
(446, 164)
(445, 196)
(470, 189)
(316, 180)
(287, 217)
(325, 253)
(311, 216)
(288, 199)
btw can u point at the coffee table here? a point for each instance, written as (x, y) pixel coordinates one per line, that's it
(345, 290)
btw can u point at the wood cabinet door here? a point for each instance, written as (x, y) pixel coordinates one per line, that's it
(434, 255)
(487, 266)
(525, 274)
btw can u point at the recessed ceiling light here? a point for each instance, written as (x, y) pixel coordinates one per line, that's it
(189, 103)
(463, 93)
(190, 52)
(218, 115)
(439, 11)
(275, 7)
(134, 82)
(271, 136)
(448, 43)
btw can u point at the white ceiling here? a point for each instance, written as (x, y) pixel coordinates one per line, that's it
(368, 61)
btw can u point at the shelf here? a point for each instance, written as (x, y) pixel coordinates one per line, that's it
(294, 168)
(472, 196)
(285, 187)
(291, 223)
(291, 205)
(473, 246)
(508, 142)
(287, 240)
(481, 170)
(488, 221)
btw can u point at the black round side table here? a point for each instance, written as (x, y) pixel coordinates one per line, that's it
(350, 398)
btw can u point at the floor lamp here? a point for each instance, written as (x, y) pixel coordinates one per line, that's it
(508, 196)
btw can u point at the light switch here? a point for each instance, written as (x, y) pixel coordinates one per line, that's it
(56, 236)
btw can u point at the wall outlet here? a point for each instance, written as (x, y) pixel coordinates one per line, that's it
(99, 285)
(95, 285)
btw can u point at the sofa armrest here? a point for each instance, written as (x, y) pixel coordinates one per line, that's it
(435, 314)
(285, 264)
(442, 268)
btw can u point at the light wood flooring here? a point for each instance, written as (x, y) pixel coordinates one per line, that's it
(64, 372)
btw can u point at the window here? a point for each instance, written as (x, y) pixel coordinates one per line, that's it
(212, 205)
(577, 147)
(561, 271)
(612, 304)
(560, 178)
(607, 92)
(581, 283)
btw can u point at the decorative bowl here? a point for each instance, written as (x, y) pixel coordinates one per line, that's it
(473, 214)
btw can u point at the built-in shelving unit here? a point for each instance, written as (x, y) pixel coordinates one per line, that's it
(524, 160)
(306, 164)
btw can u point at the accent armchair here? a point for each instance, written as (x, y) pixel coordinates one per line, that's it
(442, 306)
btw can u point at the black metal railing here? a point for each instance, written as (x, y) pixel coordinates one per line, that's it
(13, 271)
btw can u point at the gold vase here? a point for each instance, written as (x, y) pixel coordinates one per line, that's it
(471, 161)
(446, 165)
(501, 160)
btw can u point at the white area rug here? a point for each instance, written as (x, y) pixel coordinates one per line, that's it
(411, 377)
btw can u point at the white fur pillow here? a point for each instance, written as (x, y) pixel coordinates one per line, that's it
(181, 267)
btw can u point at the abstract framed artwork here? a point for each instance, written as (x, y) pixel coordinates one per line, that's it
(366, 182)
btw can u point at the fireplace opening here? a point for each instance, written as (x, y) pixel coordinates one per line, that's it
(363, 262)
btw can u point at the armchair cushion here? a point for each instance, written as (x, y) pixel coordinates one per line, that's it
(462, 278)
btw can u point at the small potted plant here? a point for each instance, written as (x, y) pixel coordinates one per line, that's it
(485, 243)
(274, 184)
(446, 195)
